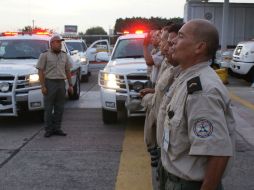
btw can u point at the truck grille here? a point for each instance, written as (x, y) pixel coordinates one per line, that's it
(133, 81)
(22, 81)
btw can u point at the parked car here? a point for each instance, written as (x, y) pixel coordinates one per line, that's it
(80, 46)
(223, 58)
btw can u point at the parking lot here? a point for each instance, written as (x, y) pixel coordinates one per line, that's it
(98, 156)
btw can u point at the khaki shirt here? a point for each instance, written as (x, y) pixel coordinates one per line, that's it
(164, 65)
(161, 102)
(165, 80)
(150, 68)
(199, 122)
(54, 65)
(157, 59)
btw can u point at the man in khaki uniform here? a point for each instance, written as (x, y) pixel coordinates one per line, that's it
(199, 124)
(154, 58)
(148, 94)
(167, 76)
(164, 80)
(53, 68)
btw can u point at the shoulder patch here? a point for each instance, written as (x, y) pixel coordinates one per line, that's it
(194, 85)
(203, 128)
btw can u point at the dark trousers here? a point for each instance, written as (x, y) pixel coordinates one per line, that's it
(175, 183)
(54, 104)
(162, 176)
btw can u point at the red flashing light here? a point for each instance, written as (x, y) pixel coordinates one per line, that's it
(139, 32)
(9, 33)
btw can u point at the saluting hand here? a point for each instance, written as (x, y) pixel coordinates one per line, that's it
(147, 40)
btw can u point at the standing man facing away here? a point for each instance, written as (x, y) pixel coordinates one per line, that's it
(199, 125)
(53, 68)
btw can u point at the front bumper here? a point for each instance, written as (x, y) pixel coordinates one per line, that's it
(84, 69)
(27, 99)
(241, 67)
(115, 101)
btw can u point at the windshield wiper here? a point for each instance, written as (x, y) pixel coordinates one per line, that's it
(131, 56)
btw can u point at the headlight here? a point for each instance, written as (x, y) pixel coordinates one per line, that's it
(4, 87)
(83, 60)
(110, 80)
(34, 78)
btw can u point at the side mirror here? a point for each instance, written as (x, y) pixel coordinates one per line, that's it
(102, 56)
(74, 52)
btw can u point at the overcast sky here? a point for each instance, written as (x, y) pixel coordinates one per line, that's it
(54, 14)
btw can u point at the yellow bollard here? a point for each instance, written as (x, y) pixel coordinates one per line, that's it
(223, 74)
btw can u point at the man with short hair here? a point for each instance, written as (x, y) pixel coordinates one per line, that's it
(165, 79)
(154, 58)
(53, 68)
(198, 138)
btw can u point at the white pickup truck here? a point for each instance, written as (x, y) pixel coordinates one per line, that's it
(243, 60)
(122, 78)
(20, 89)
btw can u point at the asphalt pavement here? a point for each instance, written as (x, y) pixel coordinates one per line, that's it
(95, 156)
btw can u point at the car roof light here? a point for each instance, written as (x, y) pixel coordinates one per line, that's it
(126, 32)
(10, 33)
(42, 33)
(139, 32)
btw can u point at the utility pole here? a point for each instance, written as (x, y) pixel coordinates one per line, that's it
(33, 23)
(224, 33)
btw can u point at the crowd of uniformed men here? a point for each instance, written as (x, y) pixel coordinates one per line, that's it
(189, 125)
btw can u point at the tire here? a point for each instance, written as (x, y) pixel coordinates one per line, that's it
(76, 90)
(85, 78)
(109, 117)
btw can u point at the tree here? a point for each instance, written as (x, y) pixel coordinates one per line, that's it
(96, 31)
(35, 29)
(134, 23)
(27, 29)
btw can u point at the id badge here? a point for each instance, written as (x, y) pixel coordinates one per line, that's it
(166, 139)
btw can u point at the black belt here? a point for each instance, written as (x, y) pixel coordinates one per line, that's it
(55, 79)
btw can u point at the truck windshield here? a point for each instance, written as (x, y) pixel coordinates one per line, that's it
(22, 49)
(129, 48)
(76, 46)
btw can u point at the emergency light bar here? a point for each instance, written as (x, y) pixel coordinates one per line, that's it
(23, 33)
(9, 33)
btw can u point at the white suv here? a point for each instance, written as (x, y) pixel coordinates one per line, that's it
(122, 78)
(243, 60)
(80, 46)
(20, 89)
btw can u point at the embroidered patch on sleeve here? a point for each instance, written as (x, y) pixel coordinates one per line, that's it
(203, 128)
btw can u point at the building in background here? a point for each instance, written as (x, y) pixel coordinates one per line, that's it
(240, 19)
